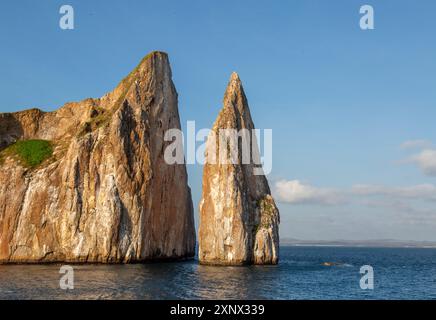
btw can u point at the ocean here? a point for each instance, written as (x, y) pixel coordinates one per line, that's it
(399, 273)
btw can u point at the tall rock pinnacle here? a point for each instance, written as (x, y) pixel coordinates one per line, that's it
(238, 217)
(105, 194)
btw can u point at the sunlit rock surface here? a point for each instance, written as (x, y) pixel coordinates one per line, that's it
(106, 195)
(239, 220)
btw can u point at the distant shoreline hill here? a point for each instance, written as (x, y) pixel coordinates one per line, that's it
(378, 243)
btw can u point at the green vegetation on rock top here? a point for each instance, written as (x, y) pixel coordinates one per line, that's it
(31, 152)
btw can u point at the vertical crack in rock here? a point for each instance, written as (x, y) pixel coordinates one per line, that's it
(238, 217)
(106, 194)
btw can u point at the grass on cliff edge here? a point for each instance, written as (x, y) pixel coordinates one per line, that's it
(31, 152)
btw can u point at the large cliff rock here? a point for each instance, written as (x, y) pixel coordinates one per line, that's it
(238, 217)
(106, 194)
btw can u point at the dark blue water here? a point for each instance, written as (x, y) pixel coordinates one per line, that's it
(398, 274)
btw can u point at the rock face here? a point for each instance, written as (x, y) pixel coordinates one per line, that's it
(106, 194)
(238, 217)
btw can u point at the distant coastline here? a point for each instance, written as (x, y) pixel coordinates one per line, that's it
(377, 243)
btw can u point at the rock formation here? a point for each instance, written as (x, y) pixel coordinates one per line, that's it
(238, 217)
(106, 194)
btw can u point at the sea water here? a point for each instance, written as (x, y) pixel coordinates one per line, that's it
(302, 273)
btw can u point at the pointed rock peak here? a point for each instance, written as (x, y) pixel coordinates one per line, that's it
(235, 112)
(235, 95)
(239, 220)
(156, 62)
(154, 56)
(235, 85)
(235, 77)
(153, 70)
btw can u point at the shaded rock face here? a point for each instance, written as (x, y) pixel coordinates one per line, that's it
(106, 195)
(238, 217)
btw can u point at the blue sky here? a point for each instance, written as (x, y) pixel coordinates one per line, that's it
(341, 101)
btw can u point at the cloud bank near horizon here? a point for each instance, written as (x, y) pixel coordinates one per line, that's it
(408, 205)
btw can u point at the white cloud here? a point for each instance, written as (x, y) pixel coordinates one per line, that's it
(426, 161)
(419, 192)
(407, 206)
(403, 212)
(416, 144)
(296, 192)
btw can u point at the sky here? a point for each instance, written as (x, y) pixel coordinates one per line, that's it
(352, 111)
